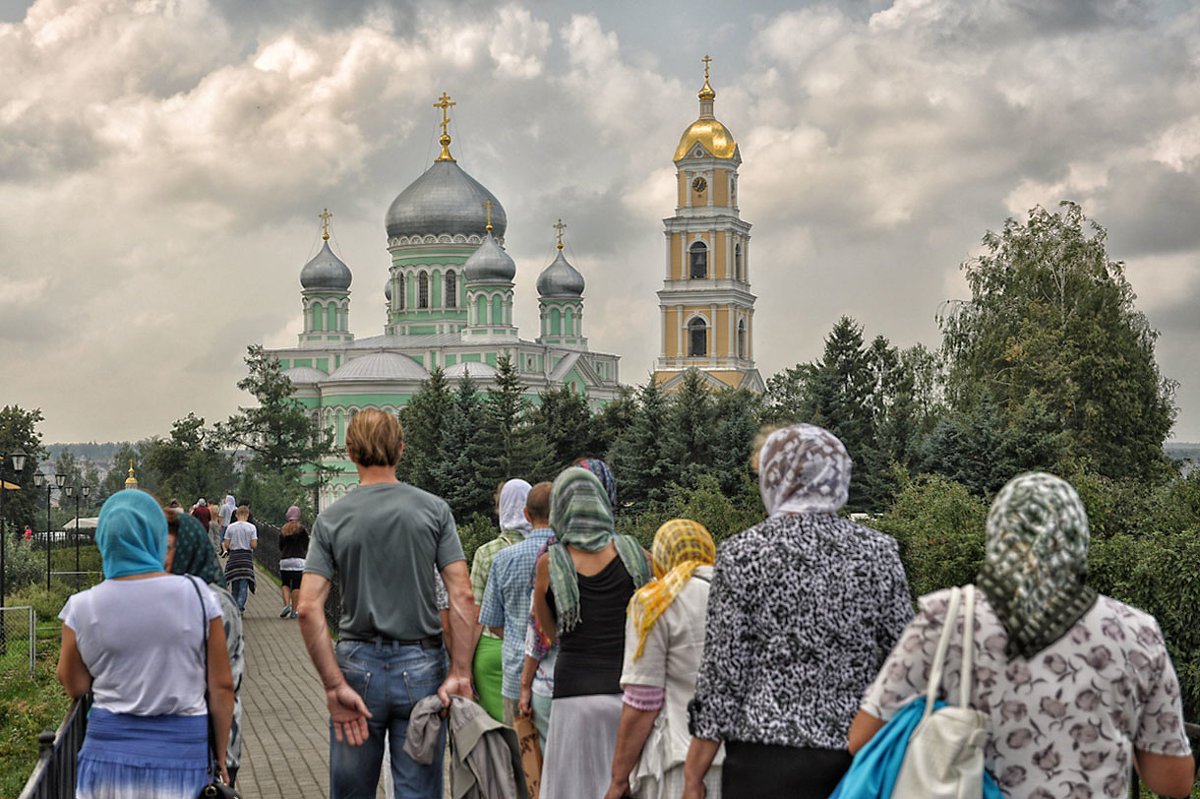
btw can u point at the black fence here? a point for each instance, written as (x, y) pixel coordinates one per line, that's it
(58, 756)
(267, 556)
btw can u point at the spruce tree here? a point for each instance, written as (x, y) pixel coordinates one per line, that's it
(424, 419)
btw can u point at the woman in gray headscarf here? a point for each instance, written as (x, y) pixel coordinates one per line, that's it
(800, 606)
(1077, 686)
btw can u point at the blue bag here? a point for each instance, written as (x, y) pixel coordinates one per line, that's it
(872, 775)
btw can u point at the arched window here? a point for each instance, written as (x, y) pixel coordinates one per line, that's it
(481, 310)
(423, 290)
(569, 322)
(497, 310)
(331, 320)
(699, 260)
(555, 322)
(741, 339)
(697, 338)
(318, 316)
(451, 290)
(400, 296)
(737, 261)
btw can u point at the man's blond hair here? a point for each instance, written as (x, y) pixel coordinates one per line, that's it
(374, 438)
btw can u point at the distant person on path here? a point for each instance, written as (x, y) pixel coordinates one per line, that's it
(201, 513)
(801, 608)
(1077, 687)
(28, 533)
(383, 541)
(506, 601)
(487, 667)
(293, 546)
(664, 638)
(582, 587)
(226, 512)
(136, 641)
(190, 552)
(240, 541)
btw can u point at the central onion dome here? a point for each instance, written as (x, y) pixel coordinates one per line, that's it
(325, 272)
(444, 200)
(489, 264)
(560, 279)
(707, 131)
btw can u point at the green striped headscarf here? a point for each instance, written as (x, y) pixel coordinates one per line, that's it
(1034, 569)
(581, 517)
(194, 553)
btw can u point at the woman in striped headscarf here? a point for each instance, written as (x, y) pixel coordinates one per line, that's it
(581, 588)
(664, 638)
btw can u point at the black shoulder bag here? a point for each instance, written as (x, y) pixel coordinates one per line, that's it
(215, 788)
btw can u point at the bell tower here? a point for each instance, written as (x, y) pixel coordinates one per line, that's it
(705, 304)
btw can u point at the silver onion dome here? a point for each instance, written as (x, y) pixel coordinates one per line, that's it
(387, 290)
(444, 200)
(326, 271)
(560, 279)
(489, 264)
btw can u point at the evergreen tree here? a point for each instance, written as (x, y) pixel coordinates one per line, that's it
(515, 446)
(614, 419)
(734, 415)
(424, 419)
(455, 474)
(688, 450)
(18, 430)
(638, 460)
(570, 429)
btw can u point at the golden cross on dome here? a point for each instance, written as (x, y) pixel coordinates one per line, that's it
(706, 61)
(325, 216)
(488, 205)
(445, 104)
(560, 227)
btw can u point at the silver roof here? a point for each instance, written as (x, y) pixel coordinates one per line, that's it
(489, 264)
(326, 271)
(380, 366)
(445, 199)
(305, 374)
(477, 371)
(387, 290)
(560, 279)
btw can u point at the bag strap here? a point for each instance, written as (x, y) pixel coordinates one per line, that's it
(967, 677)
(939, 658)
(212, 738)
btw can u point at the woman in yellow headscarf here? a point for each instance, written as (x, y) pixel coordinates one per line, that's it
(664, 638)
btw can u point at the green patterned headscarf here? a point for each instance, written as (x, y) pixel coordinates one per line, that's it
(194, 553)
(1035, 565)
(581, 517)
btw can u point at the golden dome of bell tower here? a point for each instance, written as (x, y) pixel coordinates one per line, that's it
(706, 308)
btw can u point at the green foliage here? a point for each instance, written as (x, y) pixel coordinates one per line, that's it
(424, 419)
(188, 464)
(476, 532)
(18, 430)
(455, 475)
(270, 493)
(127, 458)
(638, 458)
(1052, 337)
(26, 708)
(722, 515)
(22, 565)
(516, 446)
(570, 429)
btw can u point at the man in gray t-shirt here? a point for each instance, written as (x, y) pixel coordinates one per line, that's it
(382, 542)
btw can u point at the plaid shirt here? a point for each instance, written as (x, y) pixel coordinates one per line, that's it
(506, 604)
(481, 566)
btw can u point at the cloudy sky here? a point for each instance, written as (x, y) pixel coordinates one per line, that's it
(163, 162)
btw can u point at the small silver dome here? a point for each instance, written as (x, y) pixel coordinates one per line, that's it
(445, 199)
(387, 290)
(560, 279)
(300, 375)
(326, 271)
(380, 366)
(489, 264)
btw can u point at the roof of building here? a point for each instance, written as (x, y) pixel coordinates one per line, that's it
(444, 200)
(560, 279)
(305, 374)
(478, 371)
(380, 366)
(489, 264)
(325, 271)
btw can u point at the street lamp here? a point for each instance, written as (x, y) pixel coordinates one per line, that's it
(71, 492)
(40, 480)
(17, 457)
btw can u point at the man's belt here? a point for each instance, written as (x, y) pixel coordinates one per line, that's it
(429, 642)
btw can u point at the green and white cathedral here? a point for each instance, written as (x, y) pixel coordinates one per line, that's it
(449, 304)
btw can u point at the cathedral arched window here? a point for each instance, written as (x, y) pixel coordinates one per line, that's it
(497, 310)
(698, 253)
(451, 290)
(423, 290)
(569, 322)
(400, 294)
(737, 262)
(331, 320)
(555, 322)
(318, 316)
(697, 338)
(481, 310)
(741, 339)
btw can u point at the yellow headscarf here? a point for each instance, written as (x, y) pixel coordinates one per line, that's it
(680, 546)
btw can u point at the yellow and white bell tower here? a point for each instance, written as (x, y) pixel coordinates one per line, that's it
(705, 303)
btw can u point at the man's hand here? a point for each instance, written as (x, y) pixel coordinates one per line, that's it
(349, 714)
(525, 703)
(455, 685)
(617, 789)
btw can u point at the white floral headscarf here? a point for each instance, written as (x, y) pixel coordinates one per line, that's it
(803, 469)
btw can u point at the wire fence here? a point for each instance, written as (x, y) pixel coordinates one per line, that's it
(18, 642)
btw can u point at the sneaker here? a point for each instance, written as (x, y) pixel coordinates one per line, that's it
(294, 614)
(283, 613)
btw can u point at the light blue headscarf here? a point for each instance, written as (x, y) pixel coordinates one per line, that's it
(131, 534)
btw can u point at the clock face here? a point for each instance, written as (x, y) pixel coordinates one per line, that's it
(699, 184)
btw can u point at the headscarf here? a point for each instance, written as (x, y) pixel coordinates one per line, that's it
(803, 469)
(194, 552)
(512, 507)
(581, 517)
(202, 503)
(1035, 562)
(293, 514)
(680, 547)
(231, 503)
(604, 475)
(131, 534)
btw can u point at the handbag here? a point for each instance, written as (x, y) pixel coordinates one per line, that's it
(944, 757)
(215, 789)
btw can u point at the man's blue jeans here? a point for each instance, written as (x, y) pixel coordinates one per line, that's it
(241, 592)
(391, 679)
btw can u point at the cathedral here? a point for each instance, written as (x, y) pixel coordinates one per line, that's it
(449, 298)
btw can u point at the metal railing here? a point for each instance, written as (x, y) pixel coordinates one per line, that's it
(58, 756)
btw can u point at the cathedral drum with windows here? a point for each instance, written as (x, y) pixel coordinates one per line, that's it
(706, 308)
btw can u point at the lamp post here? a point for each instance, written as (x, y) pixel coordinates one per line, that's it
(86, 490)
(40, 480)
(71, 492)
(17, 457)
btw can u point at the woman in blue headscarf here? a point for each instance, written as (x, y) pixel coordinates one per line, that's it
(136, 641)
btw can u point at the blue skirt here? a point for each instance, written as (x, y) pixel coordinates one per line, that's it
(129, 757)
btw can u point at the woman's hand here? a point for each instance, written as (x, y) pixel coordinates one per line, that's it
(617, 789)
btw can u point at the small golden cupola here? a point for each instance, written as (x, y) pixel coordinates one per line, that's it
(707, 132)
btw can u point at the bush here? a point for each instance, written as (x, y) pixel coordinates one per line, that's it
(22, 566)
(476, 532)
(704, 503)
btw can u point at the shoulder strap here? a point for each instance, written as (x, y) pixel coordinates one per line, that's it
(939, 658)
(967, 678)
(212, 737)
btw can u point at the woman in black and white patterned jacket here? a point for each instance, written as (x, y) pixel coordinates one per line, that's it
(802, 610)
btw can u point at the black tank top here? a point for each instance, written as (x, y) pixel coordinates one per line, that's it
(590, 656)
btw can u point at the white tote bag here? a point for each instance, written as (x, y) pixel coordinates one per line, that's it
(944, 759)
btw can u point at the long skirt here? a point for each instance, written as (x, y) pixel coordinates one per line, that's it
(767, 771)
(131, 757)
(488, 673)
(580, 746)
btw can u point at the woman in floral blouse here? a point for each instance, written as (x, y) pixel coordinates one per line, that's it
(1077, 686)
(801, 608)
